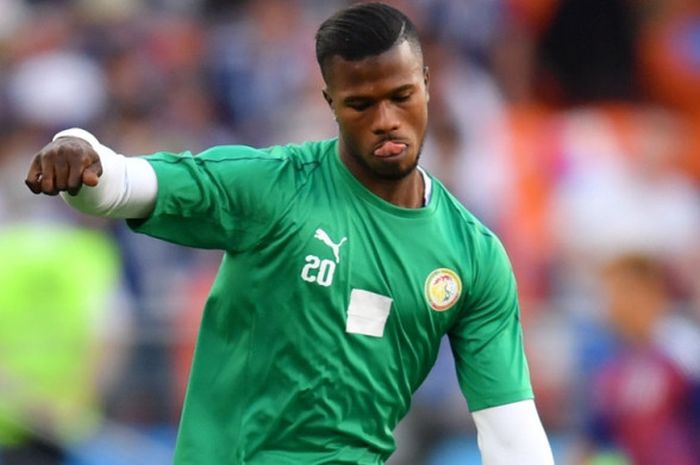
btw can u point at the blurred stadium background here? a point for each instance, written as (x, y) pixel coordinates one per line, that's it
(571, 127)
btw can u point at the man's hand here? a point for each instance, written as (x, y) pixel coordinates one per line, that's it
(65, 164)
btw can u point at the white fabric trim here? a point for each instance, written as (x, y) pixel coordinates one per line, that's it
(428, 183)
(512, 434)
(127, 188)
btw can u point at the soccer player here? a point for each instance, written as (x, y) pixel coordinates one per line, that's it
(345, 264)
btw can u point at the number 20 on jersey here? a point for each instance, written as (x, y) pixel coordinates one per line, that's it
(318, 271)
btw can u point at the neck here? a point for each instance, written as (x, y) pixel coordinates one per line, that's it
(407, 192)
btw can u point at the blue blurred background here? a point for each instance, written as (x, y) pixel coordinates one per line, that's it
(571, 127)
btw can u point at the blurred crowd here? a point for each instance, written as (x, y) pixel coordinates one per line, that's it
(570, 127)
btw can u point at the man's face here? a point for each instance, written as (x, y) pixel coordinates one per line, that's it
(633, 303)
(381, 105)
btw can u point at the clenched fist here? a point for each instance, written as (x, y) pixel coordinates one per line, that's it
(65, 164)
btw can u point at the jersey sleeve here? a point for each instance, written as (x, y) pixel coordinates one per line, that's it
(227, 197)
(487, 340)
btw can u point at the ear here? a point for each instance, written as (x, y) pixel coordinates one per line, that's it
(426, 82)
(327, 98)
(329, 101)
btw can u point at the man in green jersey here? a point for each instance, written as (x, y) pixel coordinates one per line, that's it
(345, 264)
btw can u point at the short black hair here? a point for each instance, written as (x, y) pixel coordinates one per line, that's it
(364, 30)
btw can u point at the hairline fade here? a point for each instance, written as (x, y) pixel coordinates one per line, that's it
(361, 31)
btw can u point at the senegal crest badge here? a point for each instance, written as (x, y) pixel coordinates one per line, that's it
(442, 289)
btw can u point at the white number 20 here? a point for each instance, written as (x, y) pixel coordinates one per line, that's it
(318, 271)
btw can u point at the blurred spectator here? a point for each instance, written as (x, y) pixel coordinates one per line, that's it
(260, 64)
(60, 339)
(588, 52)
(641, 398)
(617, 172)
(669, 49)
(43, 90)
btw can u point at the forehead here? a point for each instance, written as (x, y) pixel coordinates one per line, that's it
(398, 66)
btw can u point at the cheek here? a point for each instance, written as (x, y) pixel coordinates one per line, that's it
(351, 132)
(354, 126)
(419, 115)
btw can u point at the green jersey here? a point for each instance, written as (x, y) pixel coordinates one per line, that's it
(329, 306)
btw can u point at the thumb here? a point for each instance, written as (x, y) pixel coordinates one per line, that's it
(92, 174)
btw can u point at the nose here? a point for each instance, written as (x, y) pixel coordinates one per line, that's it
(386, 119)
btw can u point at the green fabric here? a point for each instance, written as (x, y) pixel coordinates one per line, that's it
(276, 377)
(53, 284)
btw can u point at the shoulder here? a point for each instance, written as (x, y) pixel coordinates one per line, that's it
(470, 228)
(305, 154)
(484, 258)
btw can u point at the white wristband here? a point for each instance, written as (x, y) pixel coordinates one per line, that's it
(127, 188)
(512, 434)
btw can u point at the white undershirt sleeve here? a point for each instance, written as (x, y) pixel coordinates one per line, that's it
(126, 189)
(512, 434)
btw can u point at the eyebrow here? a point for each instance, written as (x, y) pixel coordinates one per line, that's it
(361, 98)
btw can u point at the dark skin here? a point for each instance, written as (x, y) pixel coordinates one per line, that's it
(380, 98)
(377, 99)
(65, 164)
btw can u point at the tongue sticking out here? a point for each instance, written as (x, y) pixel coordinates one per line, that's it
(389, 148)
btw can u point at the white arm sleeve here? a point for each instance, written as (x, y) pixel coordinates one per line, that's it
(126, 189)
(512, 434)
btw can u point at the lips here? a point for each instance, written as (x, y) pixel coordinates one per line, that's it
(389, 148)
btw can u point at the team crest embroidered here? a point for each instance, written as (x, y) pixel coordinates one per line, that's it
(442, 289)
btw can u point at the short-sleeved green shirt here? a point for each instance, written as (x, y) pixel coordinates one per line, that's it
(329, 307)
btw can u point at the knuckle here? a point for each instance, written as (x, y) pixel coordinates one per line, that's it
(49, 155)
(61, 150)
(32, 185)
(60, 160)
(67, 150)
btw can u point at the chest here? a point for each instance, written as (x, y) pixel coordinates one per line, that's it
(382, 274)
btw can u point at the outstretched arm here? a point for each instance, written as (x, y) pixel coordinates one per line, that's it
(512, 433)
(92, 178)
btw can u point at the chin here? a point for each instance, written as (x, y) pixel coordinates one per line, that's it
(396, 172)
(399, 169)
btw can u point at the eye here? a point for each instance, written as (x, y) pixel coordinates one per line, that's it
(402, 97)
(359, 105)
